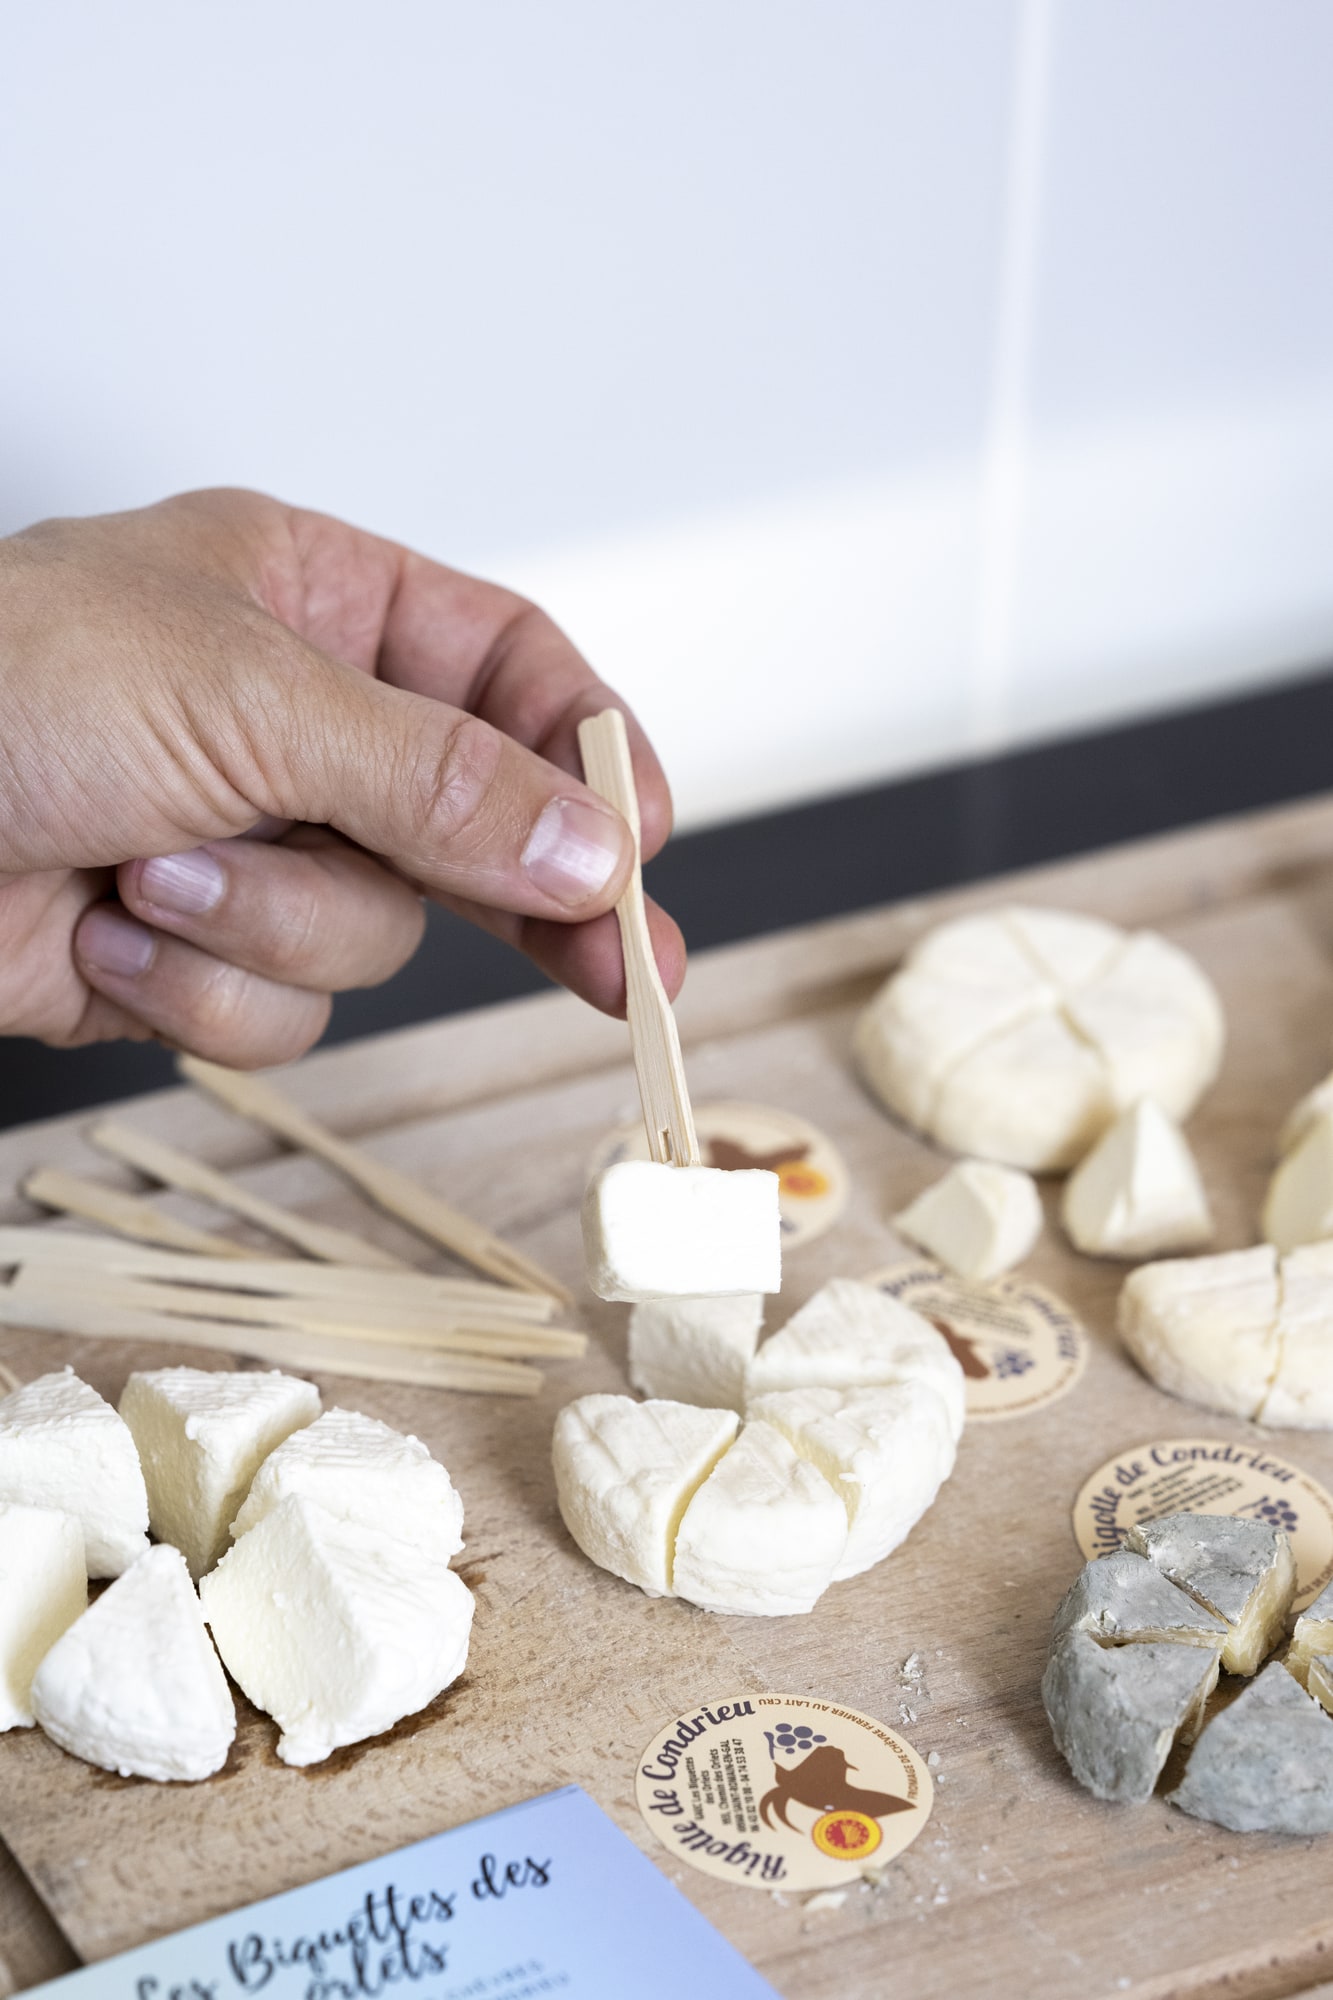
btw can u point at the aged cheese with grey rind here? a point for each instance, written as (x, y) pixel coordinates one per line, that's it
(1115, 1711)
(1206, 1328)
(1313, 1635)
(1319, 1681)
(979, 1221)
(764, 1533)
(1243, 1570)
(1121, 1597)
(695, 1350)
(851, 1335)
(62, 1446)
(43, 1589)
(1265, 1763)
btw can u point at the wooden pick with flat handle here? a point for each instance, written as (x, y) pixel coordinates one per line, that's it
(654, 1039)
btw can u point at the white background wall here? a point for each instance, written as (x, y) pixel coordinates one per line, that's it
(863, 383)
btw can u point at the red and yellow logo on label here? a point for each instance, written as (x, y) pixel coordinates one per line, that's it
(846, 1835)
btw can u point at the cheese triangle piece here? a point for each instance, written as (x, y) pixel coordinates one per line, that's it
(979, 1221)
(1138, 1192)
(61, 1446)
(854, 1336)
(1264, 1764)
(1205, 1328)
(43, 1589)
(359, 1469)
(1313, 1636)
(1122, 1599)
(1301, 1396)
(1319, 1682)
(1299, 1204)
(763, 1534)
(1242, 1570)
(1116, 1711)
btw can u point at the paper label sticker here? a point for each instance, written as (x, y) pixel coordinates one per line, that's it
(782, 1793)
(813, 1181)
(1209, 1476)
(1020, 1346)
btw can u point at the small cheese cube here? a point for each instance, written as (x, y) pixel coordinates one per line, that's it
(1138, 1192)
(43, 1589)
(332, 1629)
(625, 1473)
(854, 1336)
(1313, 1635)
(695, 1350)
(61, 1446)
(979, 1221)
(358, 1469)
(202, 1436)
(1299, 1205)
(1243, 1570)
(1265, 1763)
(134, 1685)
(764, 1533)
(1116, 1711)
(654, 1232)
(1205, 1328)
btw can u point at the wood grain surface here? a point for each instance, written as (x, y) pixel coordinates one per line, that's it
(1021, 1885)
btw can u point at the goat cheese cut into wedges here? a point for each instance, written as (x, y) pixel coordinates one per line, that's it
(1242, 1570)
(1313, 1635)
(625, 1472)
(652, 1231)
(979, 1221)
(1156, 1022)
(1299, 1205)
(61, 1446)
(1316, 1103)
(886, 1452)
(1206, 1328)
(763, 1534)
(851, 1335)
(923, 1023)
(359, 1469)
(1068, 948)
(43, 1589)
(1301, 1396)
(202, 1435)
(1116, 1711)
(1138, 1192)
(1122, 1599)
(1319, 1682)
(694, 1350)
(1035, 1096)
(1265, 1763)
(134, 1685)
(333, 1628)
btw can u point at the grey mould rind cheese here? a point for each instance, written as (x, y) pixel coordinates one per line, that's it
(1122, 1597)
(1312, 1637)
(1242, 1570)
(1265, 1764)
(1115, 1711)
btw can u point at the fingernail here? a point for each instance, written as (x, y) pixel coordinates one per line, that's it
(188, 884)
(573, 850)
(110, 942)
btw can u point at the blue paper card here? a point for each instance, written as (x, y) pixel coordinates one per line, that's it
(545, 1898)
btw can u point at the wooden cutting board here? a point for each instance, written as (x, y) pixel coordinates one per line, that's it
(1021, 1885)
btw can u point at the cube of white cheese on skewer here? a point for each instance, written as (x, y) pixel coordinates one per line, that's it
(854, 1336)
(359, 1469)
(763, 1534)
(332, 1629)
(1240, 1569)
(1265, 1763)
(652, 1231)
(1138, 1192)
(43, 1589)
(979, 1221)
(134, 1685)
(202, 1436)
(61, 1446)
(1116, 1711)
(694, 1350)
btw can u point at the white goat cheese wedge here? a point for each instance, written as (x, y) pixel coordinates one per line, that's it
(134, 1685)
(1116, 1711)
(1265, 1763)
(1299, 1204)
(979, 1221)
(1301, 1396)
(1138, 1192)
(334, 1629)
(654, 1232)
(763, 1534)
(1319, 1682)
(886, 1452)
(202, 1435)
(1205, 1328)
(61, 1446)
(854, 1336)
(43, 1589)
(359, 1469)
(1312, 1637)
(1316, 1103)
(694, 1350)
(625, 1473)
(1242, 1570)
(1122, 1598)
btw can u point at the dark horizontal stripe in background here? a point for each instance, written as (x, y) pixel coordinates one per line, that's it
(847, 853)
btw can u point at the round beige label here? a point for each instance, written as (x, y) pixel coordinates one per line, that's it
(813, 1181)
(781, 1792)
(1019, 1345)
(1209, 1476)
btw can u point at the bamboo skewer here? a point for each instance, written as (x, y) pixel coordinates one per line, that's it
(179, 1170)
(255, 1098)
(127, 1214)
(654, 1037)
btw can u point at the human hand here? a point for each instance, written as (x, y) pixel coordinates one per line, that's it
(270, 734)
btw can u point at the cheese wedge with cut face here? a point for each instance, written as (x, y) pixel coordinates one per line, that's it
(694, 1350)
(43, 1589)
(652, 1231)
(763, 1535)
(134, 1685)
(1205, 1328)
(885, 1451)
(624, 1474)
(1242, 1570)
(359, 1469)
(1313, 1635)
(979, 1221)
(1138, 1192)
(1319, 1684)
(1301, 1396)
(61, 1446)
(851, 1335)
(1265, 1763)
(202, 1435)
(1155, 1021)
(1299, 1205)
(1116, 1711)
(334, 1629)
(1122, 1599)
(1316, 1103)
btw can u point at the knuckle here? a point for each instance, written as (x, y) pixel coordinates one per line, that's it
(451, 782)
